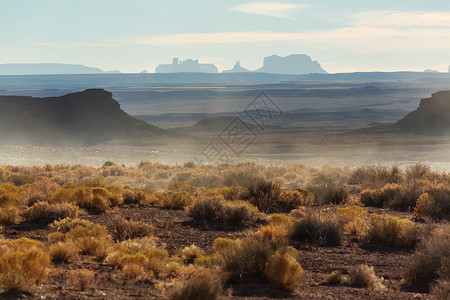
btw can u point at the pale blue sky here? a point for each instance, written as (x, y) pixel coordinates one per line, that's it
(132, 35)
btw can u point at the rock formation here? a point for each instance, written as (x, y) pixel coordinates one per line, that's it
(432, 117)
(79, 119)
(189, 65)
(237, 69)
(48, 68)
(293, 64)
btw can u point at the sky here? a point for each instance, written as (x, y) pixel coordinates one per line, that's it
(133, 35)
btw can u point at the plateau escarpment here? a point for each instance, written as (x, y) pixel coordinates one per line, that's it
(78, 119)
(432, 117)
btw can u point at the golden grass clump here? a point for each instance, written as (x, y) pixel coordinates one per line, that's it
(191, 253)
(90, 241)
(23, 264)
(391, 231)
(45, 213)
(176, 200)
(9, 215)
(123, 229)
(318, 227)
(434, 203)
(282, 269)
(354, 220)
(223, 214)
(364, 276)
(61, 252)
(194, 283)
(66, 224)
(84, 279)
(431, 260)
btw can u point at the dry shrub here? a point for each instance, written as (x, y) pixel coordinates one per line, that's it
(336, 278)
(66, 224)
(22, 264)
(441, 290)
(194, 284)
(207, 180)
(190, 253)
(83, 279)
(390, 195)
(133, 265)
(94, 199)
(434, 203)
(45, 213)
(354, 219)
(245, 258)
(270, 198)
(282, 269)
(61, 252)
(123, 229)
(181, 186)
(139, 244)
(10, 195)
(431, 259)
(391, 231)
(9, 215)
(244, 175)
(257, 257)
(364, 276)
(141, 196)
(90, 241)
(223, 214)
(144, 263)
(375, 176)
(41, 190)
(177, 200)
(318, 227)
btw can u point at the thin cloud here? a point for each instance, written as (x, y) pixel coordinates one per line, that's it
(359, 39)
(400, 19)
(271, 9)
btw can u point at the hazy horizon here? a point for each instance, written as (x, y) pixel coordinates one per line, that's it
(348, 36)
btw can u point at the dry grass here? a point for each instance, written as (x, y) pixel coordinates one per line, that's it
(177, 200)
(128, 229)
(318, 227)
(193, 284)
(66, 224)
(434, 203)
(61, 252)
(430, 259)
(23, 264)
(336, 278)
(45, 213)
(391, 231)
(223, 214)
(83, 279)
(282, 269)
(354, 219)
(364, 276)
(190, 253)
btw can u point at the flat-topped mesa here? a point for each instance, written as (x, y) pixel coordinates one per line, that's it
(432, 117)
(84, 118)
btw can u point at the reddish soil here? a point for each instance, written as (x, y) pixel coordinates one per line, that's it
(175, 230)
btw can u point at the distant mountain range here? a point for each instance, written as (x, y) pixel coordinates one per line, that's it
(78, 119)
(47, 69)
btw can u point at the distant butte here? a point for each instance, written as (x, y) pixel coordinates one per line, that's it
(85, 118)
(432, 117)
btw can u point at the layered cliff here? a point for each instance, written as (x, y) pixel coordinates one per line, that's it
(432, 117)
(84, 118)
